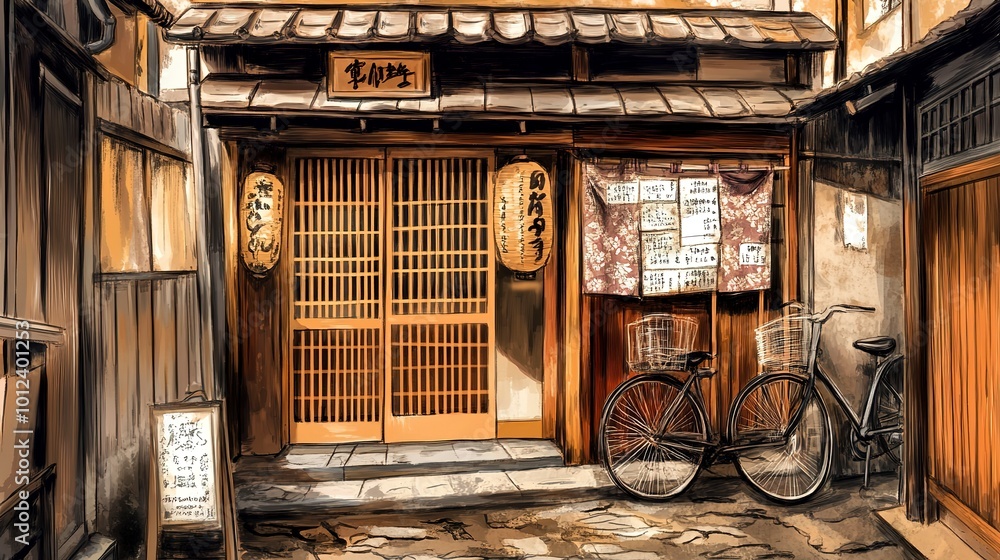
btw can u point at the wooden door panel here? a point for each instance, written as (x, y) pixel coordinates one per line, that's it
(440, 348)
(962, 259)
(336, 349)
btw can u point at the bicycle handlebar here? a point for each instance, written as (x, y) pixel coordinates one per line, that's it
(843, 308)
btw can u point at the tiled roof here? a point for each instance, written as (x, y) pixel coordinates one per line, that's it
(669, 102)
(234, 23)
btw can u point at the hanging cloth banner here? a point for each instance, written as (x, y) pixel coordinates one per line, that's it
(745, 207)
(650, 232)
(610, 230)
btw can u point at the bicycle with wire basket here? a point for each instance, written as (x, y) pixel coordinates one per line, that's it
(655, 434)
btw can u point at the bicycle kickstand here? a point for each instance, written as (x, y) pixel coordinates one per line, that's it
(868, 461)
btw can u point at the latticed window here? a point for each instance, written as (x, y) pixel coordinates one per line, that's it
(963, 120)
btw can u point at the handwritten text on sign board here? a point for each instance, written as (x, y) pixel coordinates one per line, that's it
(658, 190)
(186, 465)
(623, 192)
(753, 254)
(700, 221)
(658, 216)
(655, 256)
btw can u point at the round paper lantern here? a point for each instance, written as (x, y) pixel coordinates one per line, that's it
(261, 216)
(523, 207)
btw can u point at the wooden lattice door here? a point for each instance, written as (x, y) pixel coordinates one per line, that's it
(440, 294)
(336, 373)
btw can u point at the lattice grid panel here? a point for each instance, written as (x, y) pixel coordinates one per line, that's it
(440, 369)
(337, 240)
(440, 236)
(336, 375)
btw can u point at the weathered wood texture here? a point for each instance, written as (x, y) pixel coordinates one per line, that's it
(62, 213)
(148, 332)
(127, 107)
(262, 307)
(961, 236)
(732, 328)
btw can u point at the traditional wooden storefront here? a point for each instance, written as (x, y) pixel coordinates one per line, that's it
(388, 314)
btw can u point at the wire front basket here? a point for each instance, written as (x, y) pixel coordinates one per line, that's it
(784, 344)
(660, 341)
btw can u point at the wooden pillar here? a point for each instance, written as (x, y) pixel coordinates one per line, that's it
(574, 343)
(915, 402)
(791, 280)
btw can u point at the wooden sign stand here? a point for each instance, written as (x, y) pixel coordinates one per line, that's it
(192, 510)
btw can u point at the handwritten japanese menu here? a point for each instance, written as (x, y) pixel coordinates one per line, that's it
(676, 233)
(699, 211)
(623, 192)
(186, 467)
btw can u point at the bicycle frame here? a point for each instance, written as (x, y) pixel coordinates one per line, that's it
(860, 424)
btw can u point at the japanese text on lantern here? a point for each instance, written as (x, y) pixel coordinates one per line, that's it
(186, 468)
(261, 212)
(523, 214)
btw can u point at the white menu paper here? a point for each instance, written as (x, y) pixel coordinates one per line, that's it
(700, 221)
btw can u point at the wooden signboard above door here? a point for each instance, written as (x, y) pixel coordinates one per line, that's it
(383, 74)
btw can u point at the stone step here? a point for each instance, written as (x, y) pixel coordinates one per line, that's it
(266, 500)
(364, 461)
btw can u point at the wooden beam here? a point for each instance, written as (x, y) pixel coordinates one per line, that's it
(961, 175)
(325, 137)
(581, 63)
(622, 137)
(986, 533)
(915, 401)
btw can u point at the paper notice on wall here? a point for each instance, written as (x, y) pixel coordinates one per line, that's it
(753, 254)
(659, 216)
(661, 282)
(658, 249)
(622, 192)
(657, 255)
(700, 222)
(658, 190)
(699, 280)
(855, 220)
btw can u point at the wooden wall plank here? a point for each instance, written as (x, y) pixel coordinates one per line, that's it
(25, 179)
(165, 356)
(108, 406)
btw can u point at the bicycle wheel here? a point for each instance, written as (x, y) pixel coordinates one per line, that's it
(640, 462)
(797, 470)
(887, 410)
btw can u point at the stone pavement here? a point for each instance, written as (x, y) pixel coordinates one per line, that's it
(716, 519)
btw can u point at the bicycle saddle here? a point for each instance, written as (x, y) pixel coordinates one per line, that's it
(880, 346)
(694, 359)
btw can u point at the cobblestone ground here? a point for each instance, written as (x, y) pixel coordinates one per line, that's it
(716, 519)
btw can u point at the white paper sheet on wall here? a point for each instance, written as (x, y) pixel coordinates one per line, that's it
(855, 221)
(700, 222)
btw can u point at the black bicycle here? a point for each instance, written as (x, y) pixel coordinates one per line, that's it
(655, 435)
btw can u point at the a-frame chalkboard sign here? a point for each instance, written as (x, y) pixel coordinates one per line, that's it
(193, 505)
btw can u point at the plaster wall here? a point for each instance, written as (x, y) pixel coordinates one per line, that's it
(872, 277)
